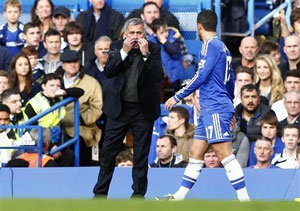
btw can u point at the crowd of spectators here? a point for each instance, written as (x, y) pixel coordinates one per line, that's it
(53, 56)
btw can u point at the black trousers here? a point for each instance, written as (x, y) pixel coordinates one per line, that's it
(131, 118)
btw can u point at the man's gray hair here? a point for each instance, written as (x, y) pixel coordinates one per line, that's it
(289, 93)
(103, 38)
(134, 22)
(46, 134)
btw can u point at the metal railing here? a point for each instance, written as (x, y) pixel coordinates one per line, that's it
(251, 17)
(39, 146)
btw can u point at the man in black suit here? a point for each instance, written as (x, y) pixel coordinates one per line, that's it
(133, 72)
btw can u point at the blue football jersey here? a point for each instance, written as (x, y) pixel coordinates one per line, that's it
(214, 78)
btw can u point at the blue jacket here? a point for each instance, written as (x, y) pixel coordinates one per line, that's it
(171, 58)
(14, 42)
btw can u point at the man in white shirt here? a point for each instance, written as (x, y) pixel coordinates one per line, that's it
(288, 158)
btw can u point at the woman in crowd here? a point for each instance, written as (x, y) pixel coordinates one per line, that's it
(21, 77)
(41, 13)
(268, 78)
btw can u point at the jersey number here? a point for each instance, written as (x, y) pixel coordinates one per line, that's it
(209, 132)
(227, 71)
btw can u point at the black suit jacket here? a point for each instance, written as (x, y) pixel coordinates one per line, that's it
(151, 73)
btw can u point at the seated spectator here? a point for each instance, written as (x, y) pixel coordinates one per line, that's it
(164, 14)
(211, 159)
(181, 129)
(170, 41)
(32, 156)
(32, 36)
(109, 23)
(20, 77)
(292, 51)
(11, 33)
(269, 127)
(250, 112)
(292, 105)
(248, 49)
(96, 67)
(90, 105)
(124, 159)
(288, 158)
(36, 67)
(166, 147)
(51, 61)
(7, 136)
(61, 16)
(240, 146)
(291, 83)
(263, 151)
(272, 48)
(150, 12)
(12, 98)
(3, 82)
(73, 35)
(41, 13)
(268, 78)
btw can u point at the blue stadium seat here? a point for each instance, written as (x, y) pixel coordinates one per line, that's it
(125, 7)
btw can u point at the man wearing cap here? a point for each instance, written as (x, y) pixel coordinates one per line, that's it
(90, 106)
(61, 16)
(131, 102)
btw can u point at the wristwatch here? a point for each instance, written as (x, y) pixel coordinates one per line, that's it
(147, 55)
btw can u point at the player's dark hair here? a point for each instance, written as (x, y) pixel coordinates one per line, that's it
(182, 113)
(208, 19)
(171, 138)
(249, 88)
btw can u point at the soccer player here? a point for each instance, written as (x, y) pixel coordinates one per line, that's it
(215, 81)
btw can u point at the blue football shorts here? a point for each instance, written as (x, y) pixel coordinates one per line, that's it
(214, 127)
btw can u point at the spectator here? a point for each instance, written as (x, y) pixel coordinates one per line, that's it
(288, 158)
(166, 147)
(171, 43)
(5, 58)
(95, 25)
(243, 76)
(61, 16)
(272, 48)
(41, 13)
(291, 83)
(36, 66)
(164, 14)
(250, 112)
(263, 151)
(248, 49)
(149, 13)
(268, 78)
(20, 77)
(11, 33)
(32, 36)
(51, 61)
(269, 127)
(3, 82)
(292, 105)
(240, 146)
(292, 51)
(211, 159)
(73, 35)
(96, 67)
(8, 135)
(12, 98)
(124, 159)
(179, 127)
(32, 156)
(90, 105)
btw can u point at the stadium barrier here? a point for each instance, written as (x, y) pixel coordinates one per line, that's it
(267, 184)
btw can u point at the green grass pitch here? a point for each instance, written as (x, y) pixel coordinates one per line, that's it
(143, 205)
